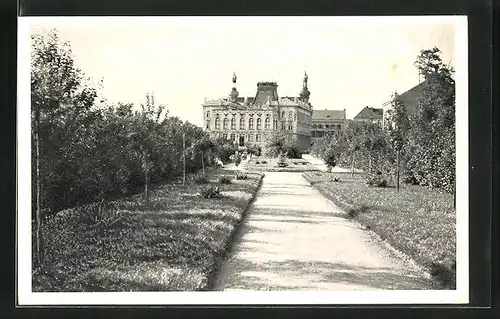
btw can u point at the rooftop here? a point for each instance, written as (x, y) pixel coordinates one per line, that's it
(369, 113)
(328, 115)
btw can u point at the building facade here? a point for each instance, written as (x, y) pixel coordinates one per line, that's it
(249, 121)
(326, 121)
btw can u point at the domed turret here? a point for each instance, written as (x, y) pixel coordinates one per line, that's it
(304, 94)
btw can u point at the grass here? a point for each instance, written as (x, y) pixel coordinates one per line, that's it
(175, 243)
(417, 221)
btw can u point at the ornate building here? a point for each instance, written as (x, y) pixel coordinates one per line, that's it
(248, 121)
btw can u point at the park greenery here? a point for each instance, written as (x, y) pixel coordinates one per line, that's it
(415, 147)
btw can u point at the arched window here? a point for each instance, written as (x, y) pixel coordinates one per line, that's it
(208, 113)
(282, 114)
(224, 123)
(233, 123)
(242, 123)
(259, 123)
(267, 123)
(250, 123)
(217, 123)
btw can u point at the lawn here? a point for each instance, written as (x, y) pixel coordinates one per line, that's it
(175, 243)
(418, 221)
(263, 164)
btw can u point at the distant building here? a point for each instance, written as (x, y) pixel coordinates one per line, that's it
(248, 121)
(370, 114)
(410, 99)
(325, 121)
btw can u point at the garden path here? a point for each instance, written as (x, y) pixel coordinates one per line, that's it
(293, 238)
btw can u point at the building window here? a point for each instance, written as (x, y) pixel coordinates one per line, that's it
(275, 124)
(208, 124)
(224, 136)
(233, 138)
(320, 125)
(290, 115)
(267, 123)
(217, 123)
(250, 123)
(257, 137)
(282, 114)
(282, 126)
(208, 113)
(250, 137)
(290, 127)
(242, 123)
(259, 120)
(295, 116)
(327, 126)
(224, 123)
(315, 126)
(233, 123)
(338, 126)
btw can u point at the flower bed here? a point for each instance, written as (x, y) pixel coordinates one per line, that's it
(418, 221)
(176, 242)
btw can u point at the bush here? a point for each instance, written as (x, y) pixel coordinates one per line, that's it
(263, 162)
(353, 212)
(257, 162)
(335, 179)
(225, 180)
(376, 180)
(200, 179)
(241, 176)
(210, 192)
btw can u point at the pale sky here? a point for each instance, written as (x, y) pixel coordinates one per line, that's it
(350, 63)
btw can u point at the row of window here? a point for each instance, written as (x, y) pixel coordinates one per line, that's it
(290, 115)
(225, 124)
(333, 126)
(249, 137)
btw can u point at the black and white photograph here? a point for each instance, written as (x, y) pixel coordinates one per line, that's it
(230, 160)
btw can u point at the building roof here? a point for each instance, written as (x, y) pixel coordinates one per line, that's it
(328, 114)
(369, 113)
(411, 98)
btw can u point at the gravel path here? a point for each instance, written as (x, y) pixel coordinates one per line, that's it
(295, 239)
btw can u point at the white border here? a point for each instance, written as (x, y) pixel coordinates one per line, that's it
(26, 297)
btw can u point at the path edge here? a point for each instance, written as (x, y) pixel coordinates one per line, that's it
(230, 243)
(435, 282)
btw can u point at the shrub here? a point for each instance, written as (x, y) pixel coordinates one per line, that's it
(241, 176)
(353, 212)
(210, 192)
(201, 179)
(225, 180)
(335, 179)
(263, 162)
(257, 162)
(376, 180)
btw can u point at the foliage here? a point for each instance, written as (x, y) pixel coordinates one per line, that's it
(424, 139)
(225, 180)
(376, 180)
(210, 192)
(201, 179)
(241, 176)
(280, 143)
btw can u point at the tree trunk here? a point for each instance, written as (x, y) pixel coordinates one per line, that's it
(202, 163)
(397, 169)
(370, 161)
(184, 159)
(146, 176)
(352, 166)
(39, 252)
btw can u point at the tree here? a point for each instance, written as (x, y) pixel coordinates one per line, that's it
(433, 127)
(59, 96)
(372, 140)
(398, 127)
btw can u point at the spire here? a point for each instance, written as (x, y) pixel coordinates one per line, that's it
(234, 93)
(304, 94)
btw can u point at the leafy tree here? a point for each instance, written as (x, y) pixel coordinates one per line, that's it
(59, 97)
